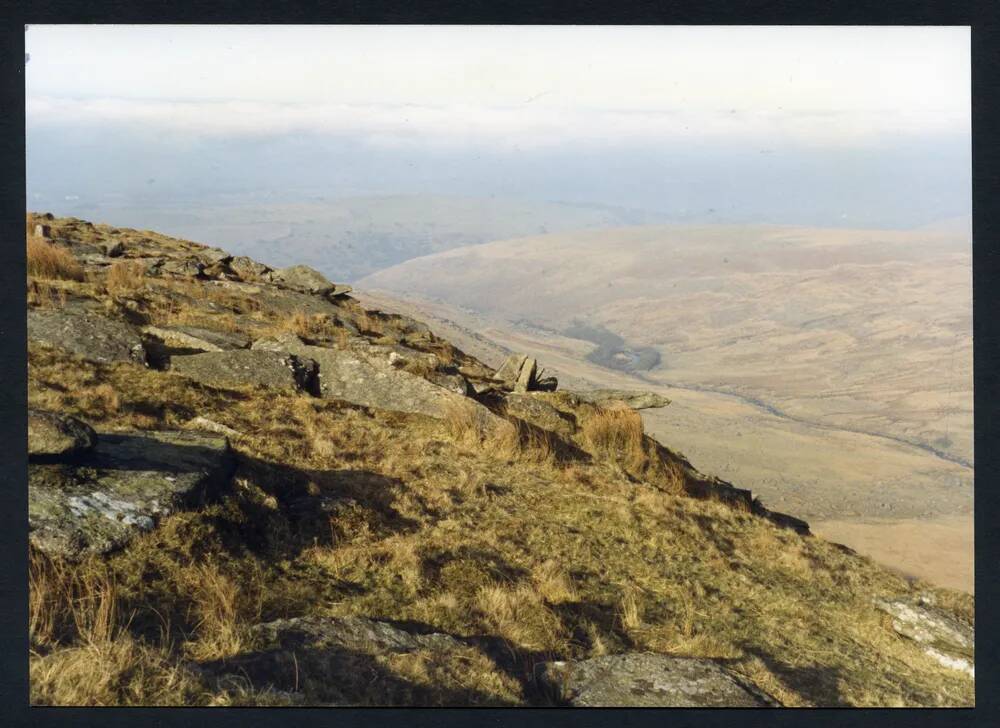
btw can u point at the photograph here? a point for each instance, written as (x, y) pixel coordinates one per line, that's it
(546, 366)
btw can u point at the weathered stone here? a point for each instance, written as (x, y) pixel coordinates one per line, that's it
(531, 408)
(42, 231)
(51, 434)
(86, 334)
(944, 638)
(338, 290)
(635, 399)
(206, 425)
(368, 379)
(646, 680)
(510, 370)
(248, 269)
(242, 367)
(338, 661)
(191, 337)
(452, 382)
(353, 633)
(400, 356)
(151, 266)
(113, 248)
(122, 487)
(546, 384)
(210, 256)
(183, 267)
(302, 278)
(526, 377)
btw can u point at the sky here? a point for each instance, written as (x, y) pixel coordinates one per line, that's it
(613, 94)
(533, 84)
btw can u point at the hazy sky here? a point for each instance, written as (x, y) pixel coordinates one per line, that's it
(519, 86)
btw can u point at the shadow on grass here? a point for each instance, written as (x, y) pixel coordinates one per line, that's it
(819, 684)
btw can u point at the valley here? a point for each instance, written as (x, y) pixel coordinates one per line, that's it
(899, 503)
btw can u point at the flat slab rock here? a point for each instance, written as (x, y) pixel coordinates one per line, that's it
(192, 337)
(244, 367)
(636, 399)
(98, 502)
(647, 680)
(331, 661)
(944, 638)
(86, 334)
(370, 380)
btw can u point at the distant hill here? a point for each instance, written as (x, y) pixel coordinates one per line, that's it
(863, 329)
(350, 237)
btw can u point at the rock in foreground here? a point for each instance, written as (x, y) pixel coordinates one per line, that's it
(647, 680)
(242, 367)
(129, 481)
(346, 661)
(86, 334)
(944, 638)
(53, 435)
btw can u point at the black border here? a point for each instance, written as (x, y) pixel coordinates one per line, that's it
(982, 15)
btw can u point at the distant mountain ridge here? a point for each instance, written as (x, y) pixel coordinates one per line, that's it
(350, 237)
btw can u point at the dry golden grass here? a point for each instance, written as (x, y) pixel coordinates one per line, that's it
(629, 613)
(518, 614)
(552, 583)
(122, 671)
(463, 525)
(44, 295)
(314, 327)
(222, 610)
(505, 437)
(46, 260)
(616, 432)
(124, 276)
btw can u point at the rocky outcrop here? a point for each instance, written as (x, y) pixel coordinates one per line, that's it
(339, 661)
(85, 334)
(97, 502)
(944, 638)
(189, 267)
(646, 680)
(192, 337)
(243, 367)
(532, 408)
(302, 278)
(214, 256)
(520, 373)
(368, 378)
(635, 399)
(248, 269)
(54, 435)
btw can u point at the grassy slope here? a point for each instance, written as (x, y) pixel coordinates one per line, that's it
(534, 548)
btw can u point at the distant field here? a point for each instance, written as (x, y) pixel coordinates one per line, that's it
(859, 330)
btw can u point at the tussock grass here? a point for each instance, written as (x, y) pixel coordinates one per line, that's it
(617, 433)
(518, 614)
(124, 277)
(505, 437)
(122, 671)
(314, 327)
(46, 260)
